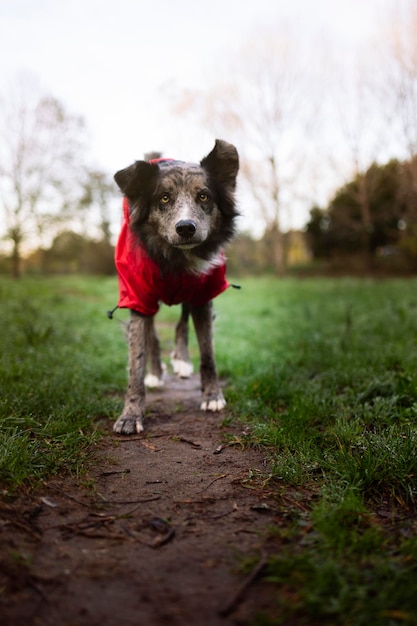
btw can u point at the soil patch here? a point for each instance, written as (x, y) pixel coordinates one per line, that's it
(161, 537)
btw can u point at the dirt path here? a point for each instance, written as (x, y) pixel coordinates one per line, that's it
(159, 540)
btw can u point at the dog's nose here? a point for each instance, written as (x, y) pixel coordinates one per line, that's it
(186, 228)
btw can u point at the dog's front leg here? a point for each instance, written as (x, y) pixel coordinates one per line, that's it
(153, 351)
(130, 421)
(180, 358)
(213, 399)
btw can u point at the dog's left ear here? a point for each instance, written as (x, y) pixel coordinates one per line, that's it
(134, 179)
(222, 163)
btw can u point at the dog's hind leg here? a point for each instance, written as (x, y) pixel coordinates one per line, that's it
(180, 358)
(213, 399)
(130, 421)
(153, 379)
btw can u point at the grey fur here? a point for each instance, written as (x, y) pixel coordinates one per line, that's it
(183, 214)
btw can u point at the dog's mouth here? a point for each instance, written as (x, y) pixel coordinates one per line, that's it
(186, 245)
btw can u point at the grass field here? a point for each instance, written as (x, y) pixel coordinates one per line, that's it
(322, 372)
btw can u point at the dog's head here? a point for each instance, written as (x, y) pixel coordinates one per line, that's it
(182, 212)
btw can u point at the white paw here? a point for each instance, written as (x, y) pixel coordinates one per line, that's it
(153, 381)
(183, 369)
(213, 405)
(128, 425)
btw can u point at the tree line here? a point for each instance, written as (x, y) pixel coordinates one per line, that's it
(371, 222)
(47, 184)
(369, 225)
(298, 121)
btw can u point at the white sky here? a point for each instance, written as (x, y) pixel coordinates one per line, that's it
(107, 59)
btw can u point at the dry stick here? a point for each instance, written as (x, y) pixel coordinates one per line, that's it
(233, 510)
(70, 497)
(105, 502)
(38, 590)
(213, 481)
(158, 542)
(140, 501)
(124, 439)
(104, 519)
(33, 532)
(237, 598)
(192, 443)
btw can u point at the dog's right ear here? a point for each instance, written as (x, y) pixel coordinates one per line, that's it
(134, 180)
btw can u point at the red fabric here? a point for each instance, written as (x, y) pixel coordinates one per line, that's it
(142, 286)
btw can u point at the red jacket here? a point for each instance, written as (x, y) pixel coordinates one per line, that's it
(142, 286)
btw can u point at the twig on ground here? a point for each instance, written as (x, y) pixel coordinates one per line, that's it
(166, 533)
(34, 532)
(160, 541)
(203, 500)
(215, 480)
(102, 519)
(237, 598)
(146, 444)
(194, 444)
(232, 510)
(34, 585)
(140, 501)
(130, 438)
(70, 497)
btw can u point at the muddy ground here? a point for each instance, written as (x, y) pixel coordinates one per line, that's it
(172, 529)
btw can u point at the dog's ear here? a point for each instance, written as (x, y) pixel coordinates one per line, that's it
(135, 179)
(222, 163)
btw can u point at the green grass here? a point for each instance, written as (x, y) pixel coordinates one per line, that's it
(323, 374)
(61, 363)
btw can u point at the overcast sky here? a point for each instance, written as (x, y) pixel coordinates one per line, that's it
(108, 60)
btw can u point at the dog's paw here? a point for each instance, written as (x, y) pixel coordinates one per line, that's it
(153, 382)
(213, 404)
(183, 369)
(128, 425)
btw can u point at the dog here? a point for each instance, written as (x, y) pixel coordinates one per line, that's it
(178, 217)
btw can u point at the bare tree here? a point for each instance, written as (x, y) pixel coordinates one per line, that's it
(360, 135)
(41, 156)
(262, 105)
(401, 70)
(98, 192)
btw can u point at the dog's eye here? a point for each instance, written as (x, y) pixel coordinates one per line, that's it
(164, 199)
(203, 196)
